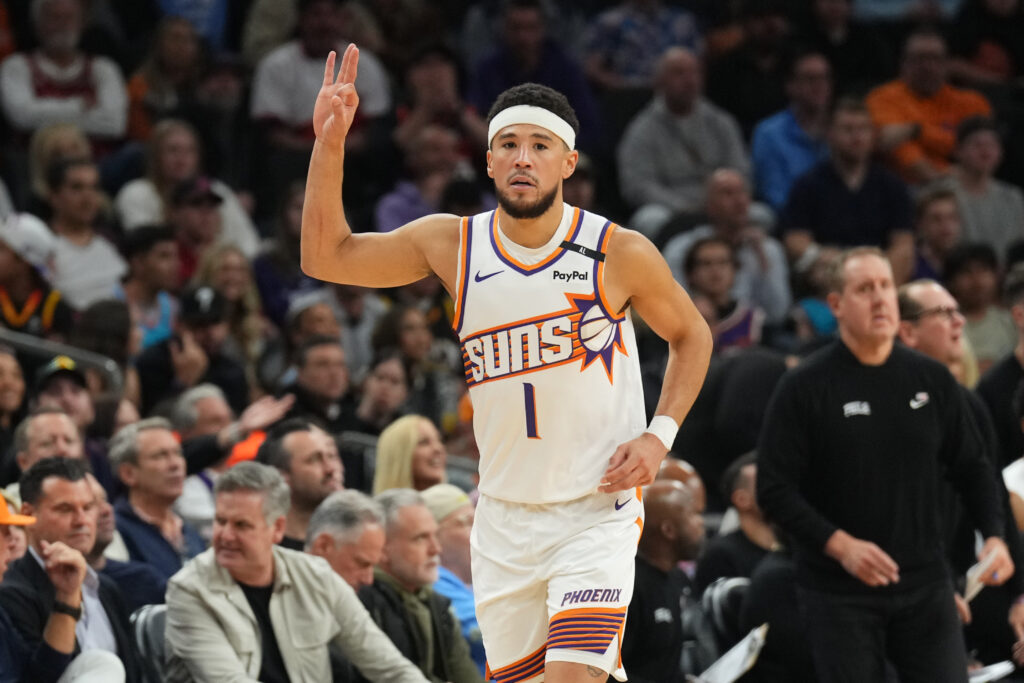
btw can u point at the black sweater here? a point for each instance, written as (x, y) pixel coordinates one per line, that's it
(861, 448)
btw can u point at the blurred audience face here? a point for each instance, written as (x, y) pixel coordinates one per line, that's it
(714, 272)
(353, 561)
(13, 542)
(106, 525)
(434, 78)
(685, 474)
(318, 320)
(453, 535)
(866, 308)
(674, 528)
(243, 542)
(728, 201)
(77, 200)
(938, 331)
(386, 387)
(324, 373)
(981, 153)
(315, 471)
(679, 79)
(159, 472)
(851, 137)
(231, 276)
(199, 221)
(51, 435)
(319, 27)
(158, 268)
(65, 512)
(126, 414)
(925, 64)
(12, 384)
(412, 552)
(177, 45)
(68, 395)
(975, 286)
(766, 30)
(809, 87)
(523, 31)
(434, 151)
(939, 225)
(177, 156)
(59, 26)
(415, 338)
(832, 14)
(212, 415)
(211, 337)
(428, 457)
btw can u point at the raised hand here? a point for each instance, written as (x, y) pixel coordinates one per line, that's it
(337, 100)
(66, 568)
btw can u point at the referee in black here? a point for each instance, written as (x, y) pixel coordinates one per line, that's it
(852, 446)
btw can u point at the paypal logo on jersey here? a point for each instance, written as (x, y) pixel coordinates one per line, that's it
(570, 276)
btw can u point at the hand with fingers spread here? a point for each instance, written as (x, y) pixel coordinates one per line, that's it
(189, 359)
(265, 412)
(337, 101)
(634, 463)
(862, 559)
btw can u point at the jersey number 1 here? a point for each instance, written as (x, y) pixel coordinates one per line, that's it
(531, 411)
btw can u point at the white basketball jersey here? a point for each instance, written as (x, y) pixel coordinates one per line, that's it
(552, 371)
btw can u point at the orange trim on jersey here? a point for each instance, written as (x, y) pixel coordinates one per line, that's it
(518, 264)
(527, 667)
(599, 285)
(640, 523)
(463, 274)
(13, 316)
(50, 308)
(590, 629)
(640, 493)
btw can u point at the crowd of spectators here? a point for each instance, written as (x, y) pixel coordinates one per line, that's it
(151, 193)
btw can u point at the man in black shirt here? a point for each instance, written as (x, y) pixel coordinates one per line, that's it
(998, 384)
(853, 444)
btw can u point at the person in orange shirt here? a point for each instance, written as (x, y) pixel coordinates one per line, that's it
(917, 114)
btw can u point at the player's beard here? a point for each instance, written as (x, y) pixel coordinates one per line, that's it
(527, 211)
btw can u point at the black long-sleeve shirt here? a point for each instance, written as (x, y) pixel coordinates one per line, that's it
(860, 448)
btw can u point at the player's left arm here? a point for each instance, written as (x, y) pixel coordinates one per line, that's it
(636, 275)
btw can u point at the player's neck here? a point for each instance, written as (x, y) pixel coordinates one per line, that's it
(869, 351)
(532, 233)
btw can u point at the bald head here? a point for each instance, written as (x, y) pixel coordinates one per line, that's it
(678, 78)
(679, 470)
(673, 529)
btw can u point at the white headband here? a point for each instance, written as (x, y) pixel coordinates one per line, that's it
(538, 116)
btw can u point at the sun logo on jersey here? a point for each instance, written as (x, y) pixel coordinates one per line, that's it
(598, 334)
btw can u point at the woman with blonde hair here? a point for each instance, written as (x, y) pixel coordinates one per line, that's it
(410, 454)
(173, 156)
(48, 145)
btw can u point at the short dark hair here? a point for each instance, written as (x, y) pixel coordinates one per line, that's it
(732, 478)
(272, 451)
(976, 124)
(142, 239)
(31, 482)
(928, 197)
(1013, 285)
(911, 308)
(965, 255)
(302, 353)
(923, 31)
(798, 56)
(536, 95)
(848, 105)
(690, 260)
(58, 171)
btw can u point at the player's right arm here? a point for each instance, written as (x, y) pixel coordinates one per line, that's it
(329, 249)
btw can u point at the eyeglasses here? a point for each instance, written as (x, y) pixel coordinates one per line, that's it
(951, 312)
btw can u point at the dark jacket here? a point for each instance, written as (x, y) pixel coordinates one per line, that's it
(146, 543)
(158, 382)
(452, 661)
(27, 595)
(19, 662)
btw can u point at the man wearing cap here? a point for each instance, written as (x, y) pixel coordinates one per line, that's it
(193, 355)
(453, 512)
(153, 266)
(27, 303)
(543, 293)
(195, 218)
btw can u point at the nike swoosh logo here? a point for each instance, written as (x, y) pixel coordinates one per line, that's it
(480, 278)
(915, 404)
(619, 506)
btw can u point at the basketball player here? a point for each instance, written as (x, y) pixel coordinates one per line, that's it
(543, 294)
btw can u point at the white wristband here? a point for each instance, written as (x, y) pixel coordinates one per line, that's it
(665, 428)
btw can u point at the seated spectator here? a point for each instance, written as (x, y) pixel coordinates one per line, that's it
(992, 210)
(225, 608)
(43, 433)
(48, 146)
(86, 266)
(12, 401)
(309, 315)
(623, 43)
(938, 231)
(347, 530)
(194, 355)
(56, 492)
(27, 303)
(383, 394)
(674, 143)
(710, 268)
(321, 385)
(527, 50)
(432, 159)
(148, 460)
(153, 271)
(985, 47)
(196, 222)
(410, 454)
(972, 275)
(749, 80)
(998, 386)
(106, 327)
(307, 458)
(738, 552)
(165, 82)
(762, 277)
(173, 155)
(418, 620)
(50, 659)
(579, 190)
(453, 511)
(59, 82)
(917, 113)
(787, 144)
(660, 644)
(847, 200)
(858, 52)
(358, 311)
(276, 269)
(140, 583)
